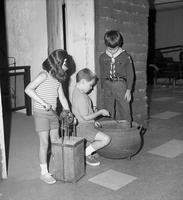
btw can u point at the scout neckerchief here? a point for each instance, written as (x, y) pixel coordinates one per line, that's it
(112, 64)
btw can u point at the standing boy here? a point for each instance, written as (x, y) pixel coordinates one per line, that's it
(83, 111)
(117, 77)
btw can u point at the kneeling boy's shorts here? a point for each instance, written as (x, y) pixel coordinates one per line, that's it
(45, 120)
(87, 131)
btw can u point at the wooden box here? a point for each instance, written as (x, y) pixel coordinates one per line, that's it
(68, 159)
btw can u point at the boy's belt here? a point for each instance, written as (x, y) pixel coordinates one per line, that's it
(116, 79)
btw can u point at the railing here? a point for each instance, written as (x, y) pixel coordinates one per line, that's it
(170, 49)
(10, 93)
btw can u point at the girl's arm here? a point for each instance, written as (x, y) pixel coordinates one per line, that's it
(62, 98)
(30, 89)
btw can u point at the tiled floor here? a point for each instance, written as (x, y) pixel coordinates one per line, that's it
(155, 173)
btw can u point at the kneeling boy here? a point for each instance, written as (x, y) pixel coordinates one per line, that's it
(83, 111)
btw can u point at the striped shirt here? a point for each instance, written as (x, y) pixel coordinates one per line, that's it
(48, 91)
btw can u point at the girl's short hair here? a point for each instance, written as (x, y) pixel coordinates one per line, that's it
(86, 74)
(54, 64)
(113, 39)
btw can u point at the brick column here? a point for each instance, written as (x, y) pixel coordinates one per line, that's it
(130, 17)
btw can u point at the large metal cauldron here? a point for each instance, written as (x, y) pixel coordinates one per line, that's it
(125, 142)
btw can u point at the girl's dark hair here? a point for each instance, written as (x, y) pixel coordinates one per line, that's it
(86, 74)
(54, 64)
(113, 39)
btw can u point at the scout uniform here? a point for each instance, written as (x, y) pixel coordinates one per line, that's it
(117, 75)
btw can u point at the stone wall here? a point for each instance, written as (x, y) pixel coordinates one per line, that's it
(80, 37)
(0, 165)
(27, 33)
(130, 17)
(3, 172)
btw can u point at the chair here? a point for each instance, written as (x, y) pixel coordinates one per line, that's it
(165, 67)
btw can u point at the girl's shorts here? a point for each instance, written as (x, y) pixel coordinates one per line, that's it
(87, 131)
(45, 120)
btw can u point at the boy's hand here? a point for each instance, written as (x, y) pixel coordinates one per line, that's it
(128, 96)
(104, 112)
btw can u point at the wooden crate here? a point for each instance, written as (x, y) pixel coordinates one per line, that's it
(68, 159)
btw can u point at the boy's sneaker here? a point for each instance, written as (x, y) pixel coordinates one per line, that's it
(47, 178)
(92, 161)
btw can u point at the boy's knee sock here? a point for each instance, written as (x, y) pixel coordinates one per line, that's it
(89, 150)
(44, 168)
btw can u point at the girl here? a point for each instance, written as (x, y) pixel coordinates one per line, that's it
(44, 90)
